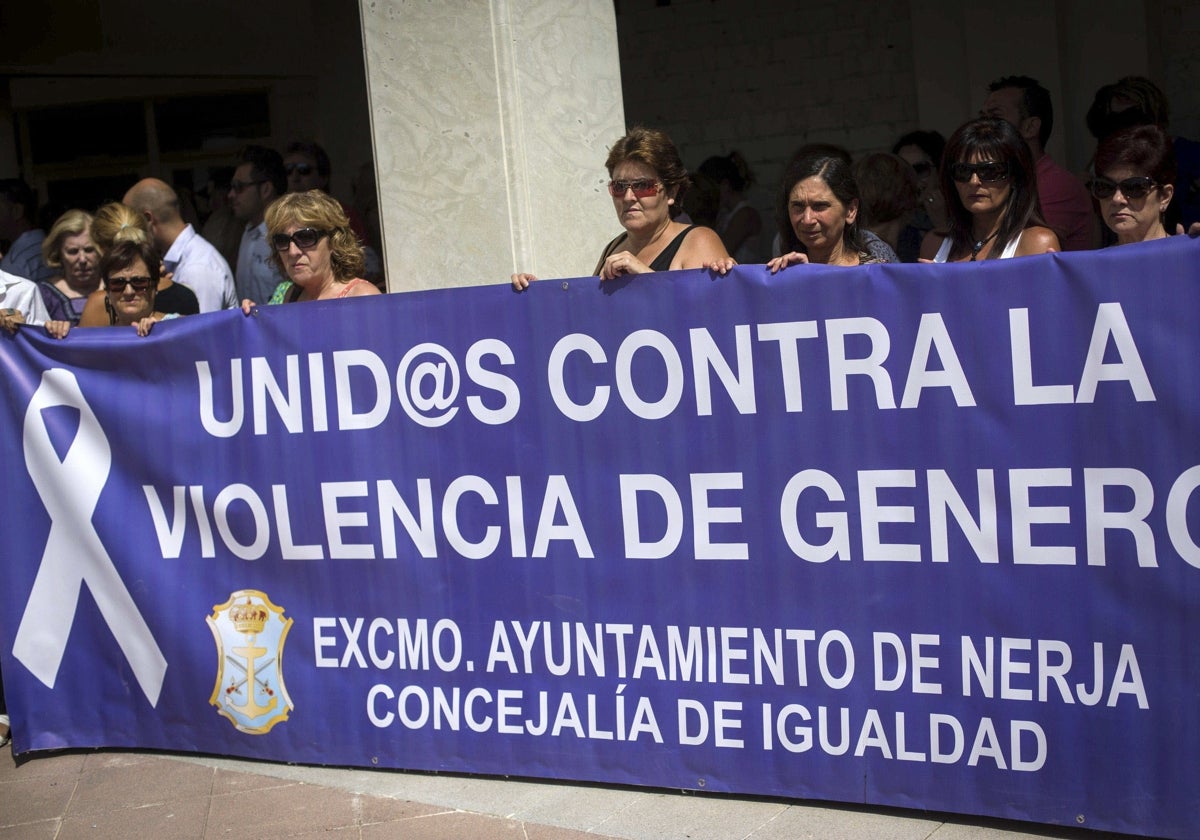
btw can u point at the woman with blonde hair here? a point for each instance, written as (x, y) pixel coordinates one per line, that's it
(311, 240)
(69, 249)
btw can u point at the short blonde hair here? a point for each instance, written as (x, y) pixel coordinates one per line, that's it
(71, 223)
(116, 222)
(319, 210)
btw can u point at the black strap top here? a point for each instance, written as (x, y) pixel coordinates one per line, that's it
(661, 263)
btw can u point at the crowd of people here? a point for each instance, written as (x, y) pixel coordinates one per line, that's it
(137, 261)
(989, 192)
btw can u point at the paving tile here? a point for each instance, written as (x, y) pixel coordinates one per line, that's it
(231, 781)
(697, 817)
(381, 809)
(34, 800)
(824, 822)
(121, 758)
(276, 811)
(534, 831)
(167, 821)
(45, 830)
(453, 825)
(38, 765)
(112, 786)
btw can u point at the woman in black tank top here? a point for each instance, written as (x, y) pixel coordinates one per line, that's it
(648, 178)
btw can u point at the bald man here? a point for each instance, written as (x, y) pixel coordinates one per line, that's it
(190, 257)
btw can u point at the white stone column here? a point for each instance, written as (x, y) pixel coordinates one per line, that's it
(491, 122)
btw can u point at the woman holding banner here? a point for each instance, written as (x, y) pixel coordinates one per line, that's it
(818, 213)
(990, 186)
(130, 271)
(1135, 182)
(647, 180)
(313, 243)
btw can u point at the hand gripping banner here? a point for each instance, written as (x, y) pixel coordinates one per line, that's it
(70, 490)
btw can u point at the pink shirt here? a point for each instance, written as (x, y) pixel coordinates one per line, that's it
(1066, 205)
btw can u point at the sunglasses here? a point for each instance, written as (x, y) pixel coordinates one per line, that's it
(304, 238)
(988, 172)
(299, 168)
(239, 186)
(1133, 188)
(118, 284)
(642, 188)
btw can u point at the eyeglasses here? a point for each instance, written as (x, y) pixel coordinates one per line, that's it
(989, 171)
(1134, 188)
(299, 168)
(642, 188)
(239, 186)
(304, 238)
(117, 284)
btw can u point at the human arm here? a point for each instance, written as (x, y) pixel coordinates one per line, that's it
(930, 245)
(1037, 240)
(94, 313)
(743, 224)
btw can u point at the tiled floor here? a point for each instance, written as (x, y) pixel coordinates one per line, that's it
(135, 795)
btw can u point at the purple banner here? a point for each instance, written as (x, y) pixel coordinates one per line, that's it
(917, 536)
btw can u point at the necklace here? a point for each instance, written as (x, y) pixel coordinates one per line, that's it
(979, 243)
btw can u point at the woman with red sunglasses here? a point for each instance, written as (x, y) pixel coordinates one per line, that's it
(648, 178)
(989, 184)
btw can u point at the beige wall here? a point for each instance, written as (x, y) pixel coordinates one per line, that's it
(490, 120)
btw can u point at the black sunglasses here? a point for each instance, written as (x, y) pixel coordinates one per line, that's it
(300, 168)
(117, 284)
(304, 238)
(1134, 188)
(989, 171)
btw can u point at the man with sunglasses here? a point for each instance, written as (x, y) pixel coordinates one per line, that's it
(1025, 104)
(187, 256)
(257, 182)
(308, 168)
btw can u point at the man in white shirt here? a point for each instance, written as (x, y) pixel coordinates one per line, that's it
(190, 258)
(258, 180)
(20, 302)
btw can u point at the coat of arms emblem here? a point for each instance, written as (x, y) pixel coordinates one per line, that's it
(250, 632)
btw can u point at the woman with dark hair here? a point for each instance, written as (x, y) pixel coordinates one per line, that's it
(130, 272)
(738, 223)
(1134, 182)
(989, 184)
(648, 179)
(923, 152)
(818, 214)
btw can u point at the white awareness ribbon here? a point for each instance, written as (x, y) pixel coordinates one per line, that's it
(70, 490)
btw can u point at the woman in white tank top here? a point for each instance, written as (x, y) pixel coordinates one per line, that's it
(990, 186)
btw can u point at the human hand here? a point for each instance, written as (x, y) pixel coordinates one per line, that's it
(790, 258)
(1193, 231)
(722, 265)
(10, 319)
(520, 282)
(247, 305)
(146, 324)
(58, 329)
(622, 263)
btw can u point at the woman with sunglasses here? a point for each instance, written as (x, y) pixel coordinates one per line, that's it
(312, 241)
(989, 184)
(130, 273)
(1134, 182)
(648, 178)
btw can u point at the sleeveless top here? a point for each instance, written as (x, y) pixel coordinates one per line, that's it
(288, 292)
(943, 253)
(661, 263)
